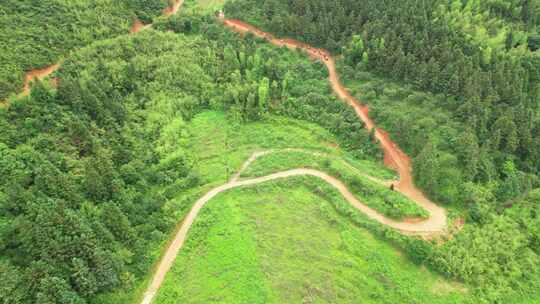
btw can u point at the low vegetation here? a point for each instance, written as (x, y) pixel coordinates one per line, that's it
(282, 242)
(357, 176)
(283, 159)
(202, 6)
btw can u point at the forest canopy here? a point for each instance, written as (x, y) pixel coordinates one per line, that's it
(87, 167)
(457, 84)
(36, 34)
(492, 94)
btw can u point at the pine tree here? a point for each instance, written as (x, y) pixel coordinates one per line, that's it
(468, 153)
(264, 94)
(426, 168)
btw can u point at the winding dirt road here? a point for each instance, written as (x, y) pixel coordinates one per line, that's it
(37, 74)
(433, 225)
(393, 156)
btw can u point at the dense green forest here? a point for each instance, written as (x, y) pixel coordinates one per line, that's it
(457, 84)
(88, 170)
(36, 34)
(87, 167)
(493, 93)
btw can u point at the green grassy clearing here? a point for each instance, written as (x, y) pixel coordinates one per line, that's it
(282, 243)
(288, 159)
(221, 146)
(355, 174)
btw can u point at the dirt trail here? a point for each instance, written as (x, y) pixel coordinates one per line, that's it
(37, 74)
(427, 227)
(136, 27)
(256, 155)
(173, 9)
(393, 156)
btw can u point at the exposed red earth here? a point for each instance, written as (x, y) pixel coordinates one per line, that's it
(137, 26)
(37, 74)
(173, 9)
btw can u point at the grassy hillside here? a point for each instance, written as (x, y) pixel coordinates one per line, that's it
(360, 177)
(203, 6)
(282, 243)
(221, 145)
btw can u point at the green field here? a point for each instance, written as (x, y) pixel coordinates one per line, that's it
(282, 243)
(222, 146)
(369, 182)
